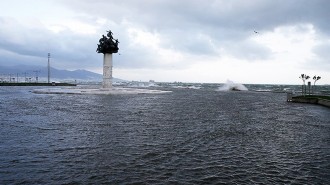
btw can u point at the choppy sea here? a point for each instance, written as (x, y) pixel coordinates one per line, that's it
(190, 136)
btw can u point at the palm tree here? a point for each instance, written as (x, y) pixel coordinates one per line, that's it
(315, 78)
(304, 77)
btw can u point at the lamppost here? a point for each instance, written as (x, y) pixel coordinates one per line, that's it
(48, 66)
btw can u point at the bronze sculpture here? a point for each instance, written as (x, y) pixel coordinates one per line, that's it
(107, 44)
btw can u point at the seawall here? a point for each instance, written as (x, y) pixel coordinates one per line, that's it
(325, 101)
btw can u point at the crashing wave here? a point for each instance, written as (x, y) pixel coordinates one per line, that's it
(231, 86)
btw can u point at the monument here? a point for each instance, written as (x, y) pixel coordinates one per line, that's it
(107, 45)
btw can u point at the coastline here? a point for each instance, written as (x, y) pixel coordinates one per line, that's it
(35, 84)
(311, 99)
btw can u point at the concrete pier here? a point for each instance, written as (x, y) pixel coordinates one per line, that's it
(107, 71)
(320, 100)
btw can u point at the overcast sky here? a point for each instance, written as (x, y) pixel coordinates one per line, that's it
(174, 40)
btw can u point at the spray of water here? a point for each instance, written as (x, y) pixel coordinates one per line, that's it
(143, 84)
(231, 86)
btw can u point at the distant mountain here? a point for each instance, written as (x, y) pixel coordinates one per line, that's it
(23, 71)
(81, 75)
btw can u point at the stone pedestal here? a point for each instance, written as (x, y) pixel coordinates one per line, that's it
(107, 71)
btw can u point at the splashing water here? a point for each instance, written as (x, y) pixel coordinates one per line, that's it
(143, 84)
(231, 86)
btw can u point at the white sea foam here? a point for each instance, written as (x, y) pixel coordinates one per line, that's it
(143, 84)
(231, 86)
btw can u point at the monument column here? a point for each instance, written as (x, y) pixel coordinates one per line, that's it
(107, 45)
(107, 71)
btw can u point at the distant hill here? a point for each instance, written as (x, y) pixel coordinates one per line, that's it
(55, 74)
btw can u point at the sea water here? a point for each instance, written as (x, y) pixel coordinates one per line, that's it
(189, 136)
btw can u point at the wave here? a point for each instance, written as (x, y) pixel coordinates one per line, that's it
(143, 84)
(231, 86)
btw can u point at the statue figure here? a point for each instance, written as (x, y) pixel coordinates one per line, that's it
(107, 44)
(110, 34)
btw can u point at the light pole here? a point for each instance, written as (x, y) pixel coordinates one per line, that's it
(48, 67)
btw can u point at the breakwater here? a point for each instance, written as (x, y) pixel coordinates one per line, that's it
(313, 99)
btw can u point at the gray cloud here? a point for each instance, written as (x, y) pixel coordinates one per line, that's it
(323, 55)
(180, 22)
(194, 27)
(245, 15)
(32, 45)
(247, 50)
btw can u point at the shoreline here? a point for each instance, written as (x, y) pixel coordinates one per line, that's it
(35, 84)
(311, 99)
